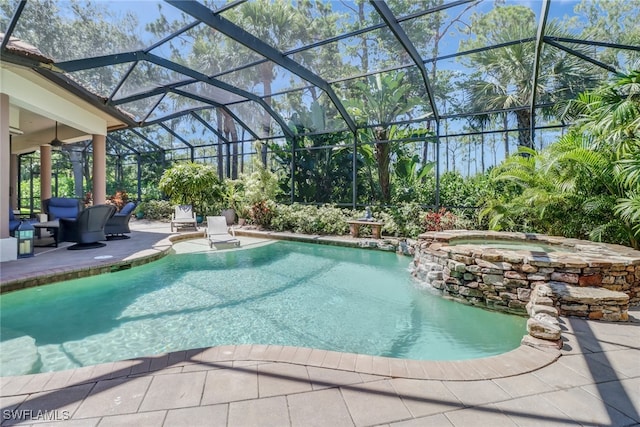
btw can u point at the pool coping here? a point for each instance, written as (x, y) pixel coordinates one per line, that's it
(520, 360)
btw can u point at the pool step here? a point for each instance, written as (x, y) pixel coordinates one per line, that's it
(586, 302)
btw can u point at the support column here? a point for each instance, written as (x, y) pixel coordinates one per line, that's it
(99, 143)
(14, 187)
(45, 172)
(8, 244)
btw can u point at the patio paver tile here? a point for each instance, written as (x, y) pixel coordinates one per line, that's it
(425, 397)
(380, 366)
(364, 363)
(267, 412)
(585, 408)
(439, 420)
(414, 369)
(272, 352)
(211, 415)
(114, 397)
(488, 415)
(85, 422)
(316, 357)
(347, 362)
(558, 376)
(374, 403)
(229, 385)
(59, 404)
(276, 379)
(37, 383)
(301, 356)
(143, 419)
(522, 385)
(174, 391)
(623, 395)
(318, 408)
(58, 380)
(158, 362)
(322, 378)
(472, 393)
(286, 354)
(331, 360)
(534, 411)
(590, 368)
(623, 361)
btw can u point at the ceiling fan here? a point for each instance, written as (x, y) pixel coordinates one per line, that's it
(55, 142)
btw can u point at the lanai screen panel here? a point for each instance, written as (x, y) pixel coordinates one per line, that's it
(308, 111)
(64, 32)
(385, 98)
(263, 79)
(147, 76)
(172, 103)
(255, 117)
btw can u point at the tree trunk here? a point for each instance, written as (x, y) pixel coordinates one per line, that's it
(75, 157)
(232, 135)
(382, 152)
(220, 122)
(266, 73)
(506, 135)
(524, 126)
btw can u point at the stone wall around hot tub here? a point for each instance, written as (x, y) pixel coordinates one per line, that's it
(504, 279)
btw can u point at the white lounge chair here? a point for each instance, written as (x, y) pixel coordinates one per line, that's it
(183, 216)
(218, 232)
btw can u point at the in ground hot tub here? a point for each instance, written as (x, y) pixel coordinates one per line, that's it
(499, 270)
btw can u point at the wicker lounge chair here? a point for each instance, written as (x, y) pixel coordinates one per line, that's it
(118, 224)
(88, 229)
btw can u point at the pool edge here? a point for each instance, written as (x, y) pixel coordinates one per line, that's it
(521, 360)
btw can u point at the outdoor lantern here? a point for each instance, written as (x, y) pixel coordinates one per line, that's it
(24, 234)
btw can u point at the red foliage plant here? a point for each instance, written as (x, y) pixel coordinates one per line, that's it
(440, 220)
(119, 199)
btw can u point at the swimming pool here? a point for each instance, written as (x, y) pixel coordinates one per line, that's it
(285, 293)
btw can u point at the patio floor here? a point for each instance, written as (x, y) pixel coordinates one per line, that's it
(593, 380)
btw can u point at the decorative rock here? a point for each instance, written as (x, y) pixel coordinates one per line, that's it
(524, 294)
(491, 279)
(540, 343)
(514, 275)
(577, 294)
(493, 265)
(528, 268)
(534, 309)
(564, 277)
(590, 280)
(544, 327)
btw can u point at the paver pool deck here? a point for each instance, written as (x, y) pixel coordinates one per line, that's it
(593, 380)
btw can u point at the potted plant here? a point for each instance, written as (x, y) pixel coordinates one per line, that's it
(231, 197)
(139, 210)
(243, 211)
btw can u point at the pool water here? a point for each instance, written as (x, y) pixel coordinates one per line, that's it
(285, 293)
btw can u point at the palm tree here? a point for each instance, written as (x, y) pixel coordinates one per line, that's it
(383, 99)
(505, 75)
(590, 172)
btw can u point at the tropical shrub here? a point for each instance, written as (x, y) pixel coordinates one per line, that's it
(585, 184)
(193, 184)
(310, 219)
(156, 209)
